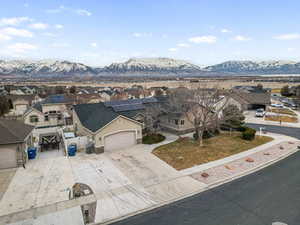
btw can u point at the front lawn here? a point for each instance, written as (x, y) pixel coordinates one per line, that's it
(284, 111)
(185, 152)
(287, 119)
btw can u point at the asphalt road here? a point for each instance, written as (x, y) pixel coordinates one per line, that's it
(289, 131)
(262, 198)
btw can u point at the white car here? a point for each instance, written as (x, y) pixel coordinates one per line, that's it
(260, 113)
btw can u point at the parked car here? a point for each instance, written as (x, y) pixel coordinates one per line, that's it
(260, 113)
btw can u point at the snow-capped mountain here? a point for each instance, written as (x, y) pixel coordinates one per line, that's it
(22, 67)
(146, 66)
(263, 67)
(153, 65)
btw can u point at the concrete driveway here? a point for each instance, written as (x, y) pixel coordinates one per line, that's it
(123, 182)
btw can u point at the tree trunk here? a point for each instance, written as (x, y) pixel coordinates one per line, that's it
(200, 136)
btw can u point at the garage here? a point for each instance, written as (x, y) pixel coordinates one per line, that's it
(8, 157)
(14, 139)
(119, 140)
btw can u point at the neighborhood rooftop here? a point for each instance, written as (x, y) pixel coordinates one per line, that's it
(13, 131)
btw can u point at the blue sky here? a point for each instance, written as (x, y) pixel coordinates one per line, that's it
(104, 31)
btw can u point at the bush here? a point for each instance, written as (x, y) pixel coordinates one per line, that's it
(241, 128)
(249, 134)
(195, 136)
(153, 138)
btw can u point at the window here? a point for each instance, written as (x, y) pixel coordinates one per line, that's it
(46, 118)
(34, 119)
(182, 122)
(176, 122)
(59, 117)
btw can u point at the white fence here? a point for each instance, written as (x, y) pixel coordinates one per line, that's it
(81, 142)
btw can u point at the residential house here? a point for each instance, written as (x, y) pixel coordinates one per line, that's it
(251, 100)
(55, 110)
(15, 138)
(110, 126)
(21, 103)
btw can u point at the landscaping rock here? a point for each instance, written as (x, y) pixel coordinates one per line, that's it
(281, 147)
(250, 160)
(229, 167)
(205, 175)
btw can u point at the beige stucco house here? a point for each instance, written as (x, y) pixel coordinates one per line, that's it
(53, 111)
(109, 129)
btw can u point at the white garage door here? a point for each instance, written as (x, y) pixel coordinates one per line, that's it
(8, 157)
(119, 140)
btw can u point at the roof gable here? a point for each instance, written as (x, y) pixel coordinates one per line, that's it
(13, 131)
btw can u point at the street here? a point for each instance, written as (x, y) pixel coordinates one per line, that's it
(262, 198)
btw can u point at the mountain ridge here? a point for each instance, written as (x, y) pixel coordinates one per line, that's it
(146, 66)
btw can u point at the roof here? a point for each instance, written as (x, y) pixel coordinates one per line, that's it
(57, 99)
(95, 116)
(13, 131)
(263, 98)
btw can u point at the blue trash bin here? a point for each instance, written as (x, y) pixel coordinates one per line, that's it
(31, 152)
(72, 150)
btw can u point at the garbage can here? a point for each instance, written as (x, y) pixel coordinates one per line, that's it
(72, 150)
(31, 152)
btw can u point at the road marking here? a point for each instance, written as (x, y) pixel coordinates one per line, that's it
(279, 223)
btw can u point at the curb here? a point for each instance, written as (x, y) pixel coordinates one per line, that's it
(208, 187)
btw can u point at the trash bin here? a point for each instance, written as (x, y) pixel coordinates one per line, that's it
(72, 150)
(31, 152)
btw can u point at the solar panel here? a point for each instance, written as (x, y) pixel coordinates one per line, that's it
(131, 101)
(131, 107)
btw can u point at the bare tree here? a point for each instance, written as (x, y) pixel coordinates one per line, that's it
(201, 106)
(152, 117)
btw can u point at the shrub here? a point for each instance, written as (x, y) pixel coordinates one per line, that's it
(153, 138)
(195, 136)
(249, 134)
(241, 128)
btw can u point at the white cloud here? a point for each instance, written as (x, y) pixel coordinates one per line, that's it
(57, 10)
(22, 47)
(137, 35)
(183, 45)
(4, 37)
(164, 36)
(60, 9)
(241, 38)
(48, 34)
(293, 36)
(10, 31)
(38, 26)
(13, 21)
(83, 12)
(172, 49)
(94, 45)
(59, 26)
(224, 30)
(209, 39)
(291, 49)
(60, 45)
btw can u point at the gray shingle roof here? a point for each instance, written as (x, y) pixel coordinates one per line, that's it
(94, 116)
(13, 131)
